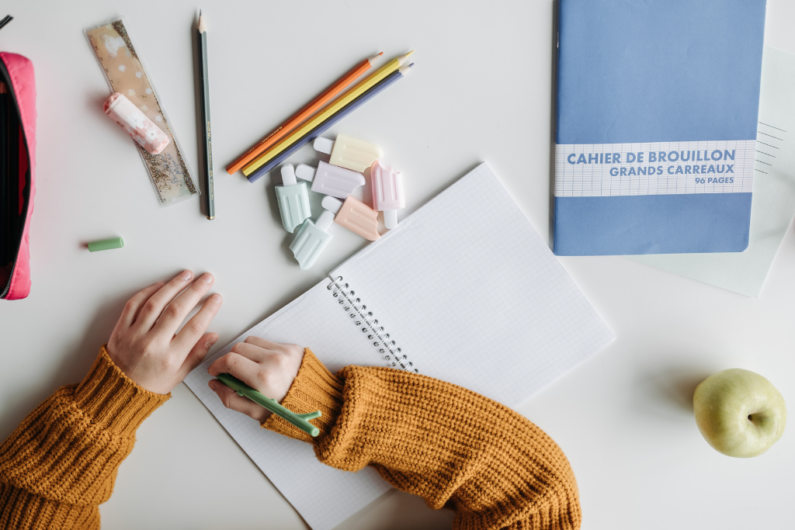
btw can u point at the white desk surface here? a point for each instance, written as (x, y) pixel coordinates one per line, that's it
(481, 90)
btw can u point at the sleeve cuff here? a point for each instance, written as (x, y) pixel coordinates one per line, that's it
(114, 401)
(314, 388)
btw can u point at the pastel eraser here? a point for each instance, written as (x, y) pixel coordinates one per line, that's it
(106, 244)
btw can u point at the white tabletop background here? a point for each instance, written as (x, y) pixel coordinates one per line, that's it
(482, 89)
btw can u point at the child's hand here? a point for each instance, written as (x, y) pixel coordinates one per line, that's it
(266, 366)
(144, 343)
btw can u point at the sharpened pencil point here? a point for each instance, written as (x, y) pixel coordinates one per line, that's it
(201, 26)
(402, 59)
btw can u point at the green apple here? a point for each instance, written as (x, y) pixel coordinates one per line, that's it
(740, 413)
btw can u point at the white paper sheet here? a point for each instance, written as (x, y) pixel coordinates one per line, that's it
(472, 294)
(774, 191)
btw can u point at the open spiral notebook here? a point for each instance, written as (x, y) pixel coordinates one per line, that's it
(463, 290)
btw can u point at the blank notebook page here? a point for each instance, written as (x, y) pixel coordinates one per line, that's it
(467, 290)
(471, 294)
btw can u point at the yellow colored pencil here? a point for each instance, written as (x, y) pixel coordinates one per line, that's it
(321, 116)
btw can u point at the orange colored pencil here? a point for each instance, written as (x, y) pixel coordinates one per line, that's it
(279, 132)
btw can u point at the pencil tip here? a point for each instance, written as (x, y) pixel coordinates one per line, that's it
(380, 54)
(402, 59)
(201, 25)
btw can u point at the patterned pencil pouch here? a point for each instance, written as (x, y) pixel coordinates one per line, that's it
(17, 172)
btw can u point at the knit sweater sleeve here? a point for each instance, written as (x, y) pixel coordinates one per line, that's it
(451, 446)
(60, 463)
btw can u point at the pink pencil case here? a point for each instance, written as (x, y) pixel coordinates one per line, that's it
(17, 172)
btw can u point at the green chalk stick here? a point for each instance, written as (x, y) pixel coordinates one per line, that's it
(106, 244)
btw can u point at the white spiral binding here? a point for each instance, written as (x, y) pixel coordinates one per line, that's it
(387, 348)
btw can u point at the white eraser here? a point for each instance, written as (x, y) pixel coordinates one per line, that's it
(323, 145)
(331, 204)
(305, 172)
(324, 221)
(288, 175)
(390, 219)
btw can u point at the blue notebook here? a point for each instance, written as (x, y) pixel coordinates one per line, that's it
(657, 105)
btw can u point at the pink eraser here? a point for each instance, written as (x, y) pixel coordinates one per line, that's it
(388, 193)
(134, 121)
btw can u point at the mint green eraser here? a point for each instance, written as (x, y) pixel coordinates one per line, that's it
(106, 244)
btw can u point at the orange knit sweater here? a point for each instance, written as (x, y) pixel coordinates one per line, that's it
(454, 448)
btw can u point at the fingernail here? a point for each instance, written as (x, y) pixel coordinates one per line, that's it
(186, 275)
(216, 299)
(207, 278)
(212, 384)
(210, 342)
